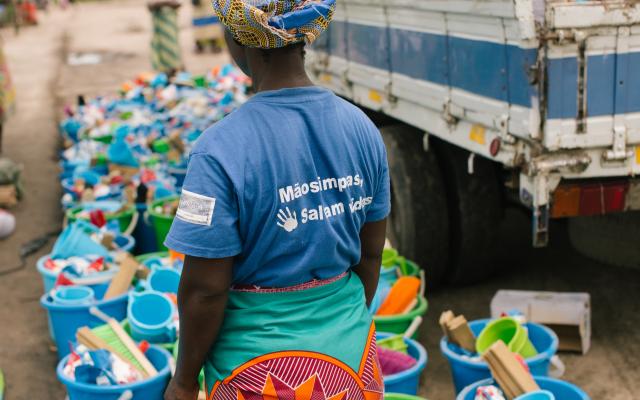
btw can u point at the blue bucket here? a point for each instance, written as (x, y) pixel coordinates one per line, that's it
(164, 280)
(152, 388)
(465, 371)
(66, 320)
(98, 281)
(73, 295)
(560, 389)
(150, 316)
(144, 234)
(406, 382)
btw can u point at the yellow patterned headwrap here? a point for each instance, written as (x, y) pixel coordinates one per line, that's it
(269, 24)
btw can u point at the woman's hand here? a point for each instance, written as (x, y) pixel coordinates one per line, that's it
(178, 391)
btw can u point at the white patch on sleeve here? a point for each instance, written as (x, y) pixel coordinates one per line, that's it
(196, 208)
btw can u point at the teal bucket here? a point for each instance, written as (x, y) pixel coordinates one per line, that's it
(65, 320)
(98, 281)
(406, 382)
(150, 316)
(151, 388)
(561, 390)
(465, 371)
(164, 280)
(73, 295)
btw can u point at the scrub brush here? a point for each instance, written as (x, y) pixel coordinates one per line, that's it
(118, 341)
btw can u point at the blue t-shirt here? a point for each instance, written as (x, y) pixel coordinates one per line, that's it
(284, 183)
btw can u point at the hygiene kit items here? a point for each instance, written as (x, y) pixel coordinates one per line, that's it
(512, 351)
(399, 298)
(124, 152)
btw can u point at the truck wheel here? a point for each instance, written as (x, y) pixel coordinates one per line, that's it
(609, 239)
(418, 225)
(475, 211)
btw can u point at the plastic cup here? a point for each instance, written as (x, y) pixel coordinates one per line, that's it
(537, 395)
(507, 329)
(164, 280)
(73, 295)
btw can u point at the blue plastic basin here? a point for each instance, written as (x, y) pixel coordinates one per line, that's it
(465, 371)
(152, 388)
(406, 382)
(561, 390)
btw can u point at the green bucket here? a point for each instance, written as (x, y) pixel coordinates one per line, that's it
(507, 329)
(144, 257)
(161, 222)
(401, 396)
(398, 324)
(389, 257)
(124, 217)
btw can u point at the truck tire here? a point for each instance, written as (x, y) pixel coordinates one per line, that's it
(475, 212)
(609, 239)
(418, 225)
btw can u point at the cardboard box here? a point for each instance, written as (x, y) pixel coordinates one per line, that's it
(567, 314)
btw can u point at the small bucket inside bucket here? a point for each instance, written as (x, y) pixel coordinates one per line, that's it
(73, 295)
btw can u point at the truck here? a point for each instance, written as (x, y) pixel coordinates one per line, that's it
(482, 103)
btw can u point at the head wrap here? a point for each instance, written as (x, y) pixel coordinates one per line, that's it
(270, 24)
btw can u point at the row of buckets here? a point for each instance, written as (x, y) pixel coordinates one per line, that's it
(143, 223)
(66, 315)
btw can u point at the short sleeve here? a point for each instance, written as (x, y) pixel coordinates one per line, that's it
(206, 223)
(381, 203)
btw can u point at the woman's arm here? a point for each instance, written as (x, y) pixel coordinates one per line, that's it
(202, 298)
(372, 237)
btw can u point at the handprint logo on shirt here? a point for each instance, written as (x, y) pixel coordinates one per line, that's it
(288, 221)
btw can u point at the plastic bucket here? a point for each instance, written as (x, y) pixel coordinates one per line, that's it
(465, 371)
(98, 281)
(389, 274)
(406, 382)
(561, 389)
(537, 395)
(161, 223)
(152, 388)
(164, 280)
(73, 295)
(411, 268)
(144, 234)
(124, 217)
(168, 346)
(399, 323)
(150, 316)
(65, 320)
(508, 330)
(389, 256)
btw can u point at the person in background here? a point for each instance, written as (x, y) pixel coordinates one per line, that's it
(7, 91)
(282, 219)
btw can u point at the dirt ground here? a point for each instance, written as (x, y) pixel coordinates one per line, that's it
(119, 32)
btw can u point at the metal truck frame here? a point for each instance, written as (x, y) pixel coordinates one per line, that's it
(550, 90)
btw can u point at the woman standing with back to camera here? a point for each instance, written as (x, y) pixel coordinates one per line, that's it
(282, 219)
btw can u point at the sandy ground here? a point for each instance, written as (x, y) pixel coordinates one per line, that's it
(119, 31)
